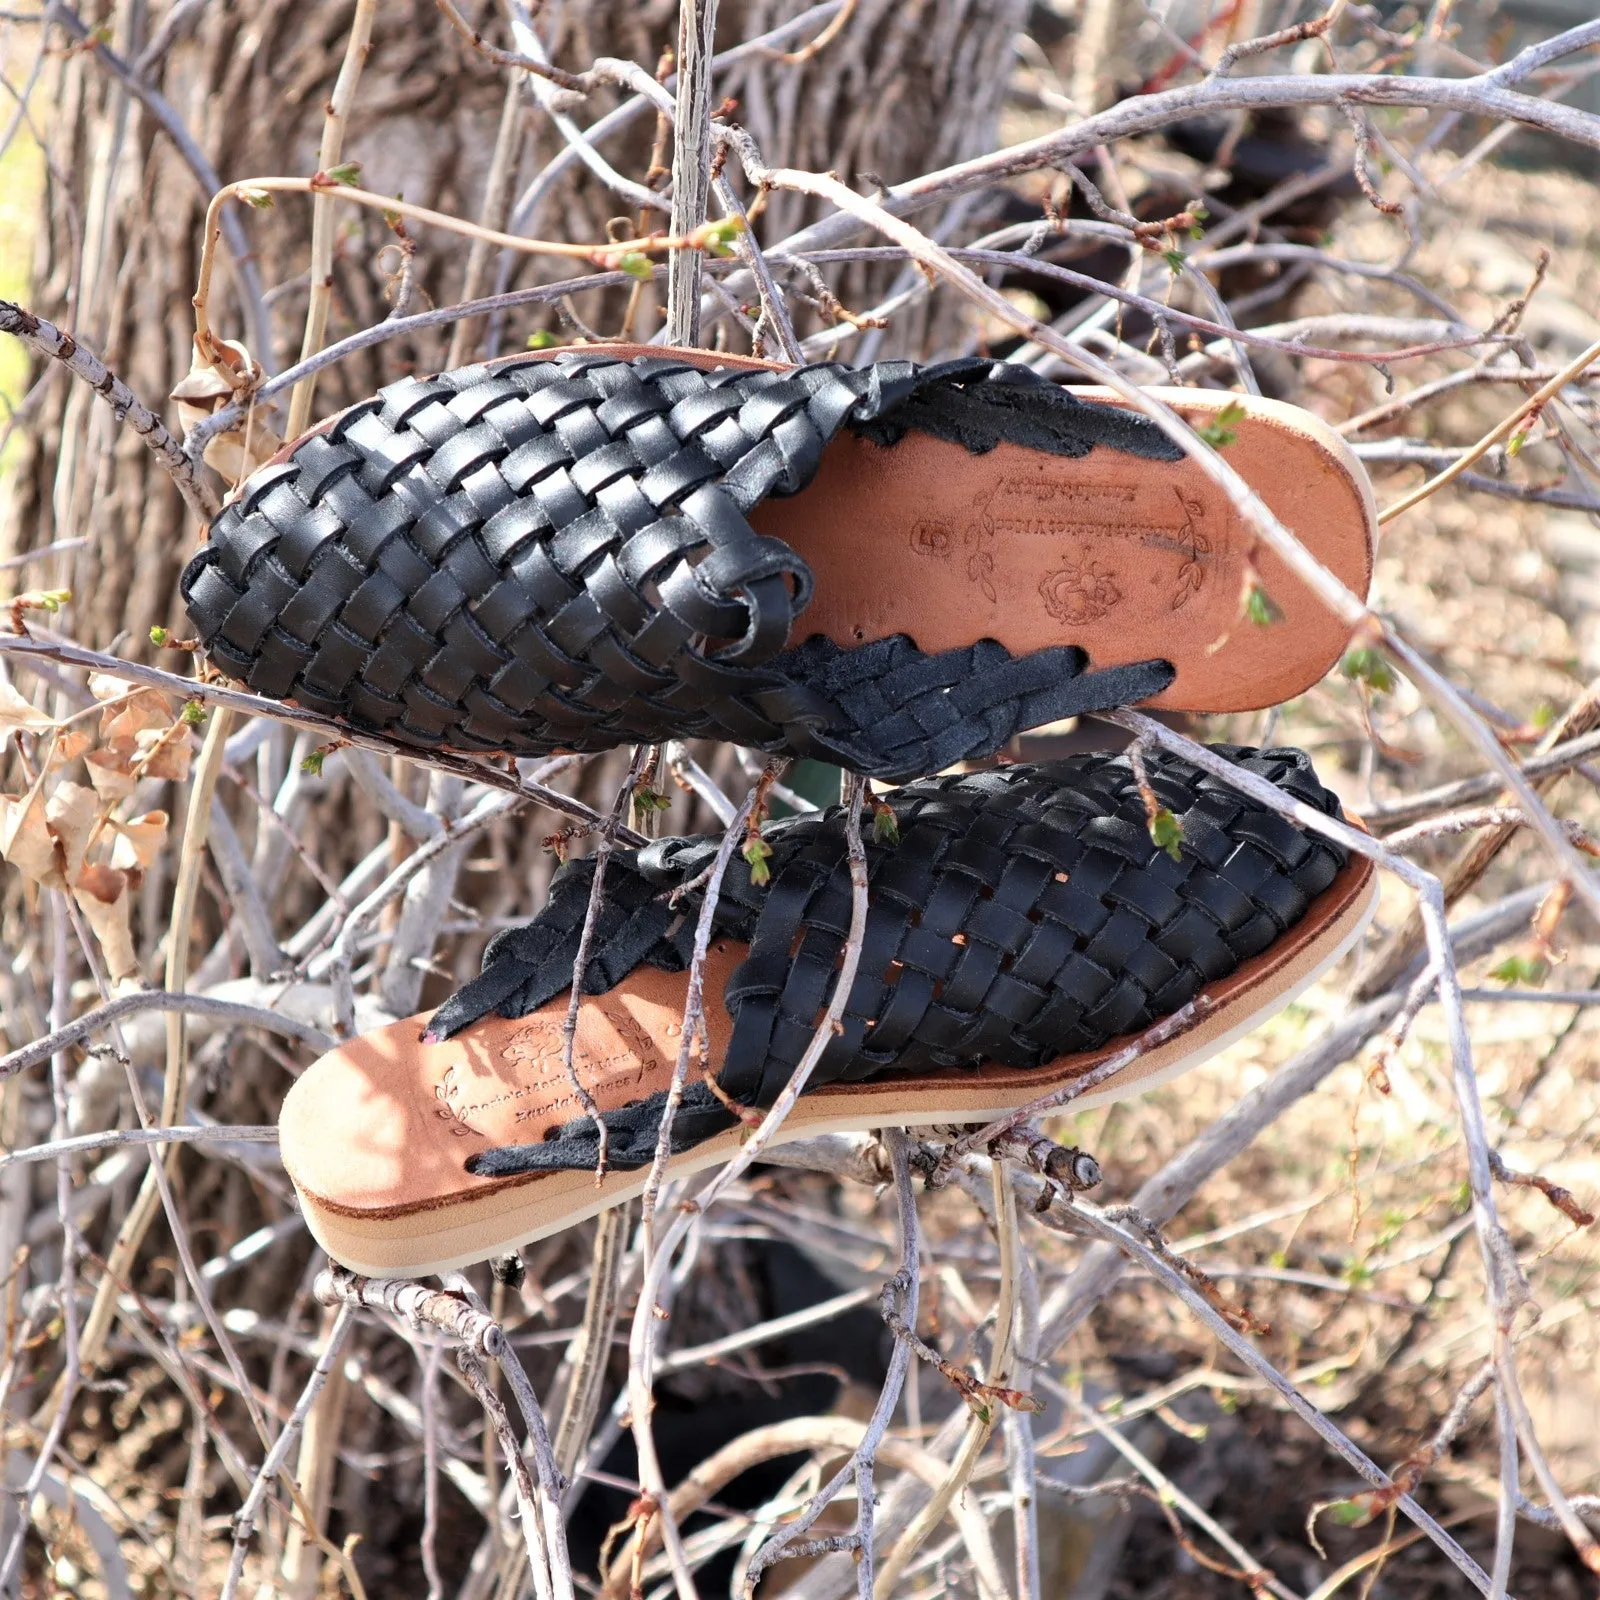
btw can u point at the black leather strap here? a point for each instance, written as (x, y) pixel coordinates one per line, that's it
(1025, 914)
(554, 554)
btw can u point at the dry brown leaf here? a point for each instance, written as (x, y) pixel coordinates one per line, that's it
(68, 745)
(19, 714)
(25, 838)
(104, 883)
(138, 841)
(109, 772)
(102, 892)
(169, 754)
(139, 713)
(237, 453)
(72, 813)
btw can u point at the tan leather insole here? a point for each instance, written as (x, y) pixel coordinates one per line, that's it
(1129, 559)
(376, 1134)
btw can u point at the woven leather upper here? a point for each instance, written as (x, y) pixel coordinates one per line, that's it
(554, 554)
(1024, 915)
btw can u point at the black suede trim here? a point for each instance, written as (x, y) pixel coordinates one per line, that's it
(892, 711)
(633, 1133)
(978, 404)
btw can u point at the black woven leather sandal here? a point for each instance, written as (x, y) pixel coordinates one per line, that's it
(894, 569)
(1020, 930)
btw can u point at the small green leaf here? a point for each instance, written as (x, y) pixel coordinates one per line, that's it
(1198, 210)
(648, 799)
(636, 264)
(1223, 428)
(1166, 833)
(1174, 259)
(542, 340)
(1521, 971)
(1393, 1225)
(313, 762)
(346, 172)
(885, 824)
(1196, 231)
(1348, 1513)
(719, 236)
(193, 713)
(1365, 664)
(757, 852)
(261, 199)
(159, 635)
(1260, 608)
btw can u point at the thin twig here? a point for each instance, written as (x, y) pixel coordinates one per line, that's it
(1501, 430)
(980, 1424)
(320, 298)
(590, 1351)
(244, 1521)
(224, 695)
(605, 842)
(48, 340)
(900, 1296)
(642, 1338)
(1157, 1034)
(127, 1005)
(79, 1144)
(610, 255)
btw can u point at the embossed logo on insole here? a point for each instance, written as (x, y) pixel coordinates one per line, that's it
(1092, 522)
(1079, 594)
(613, 1054)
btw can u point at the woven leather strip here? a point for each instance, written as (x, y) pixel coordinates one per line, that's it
(1023, 915)
(554, 555)
(897, 713)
